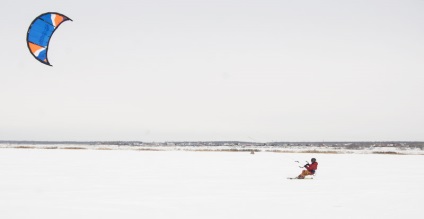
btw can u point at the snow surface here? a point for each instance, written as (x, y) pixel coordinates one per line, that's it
(179, 184)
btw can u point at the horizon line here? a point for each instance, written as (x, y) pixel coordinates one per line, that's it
(77, 141)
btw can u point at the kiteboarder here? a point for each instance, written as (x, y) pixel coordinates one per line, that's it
(310, 169)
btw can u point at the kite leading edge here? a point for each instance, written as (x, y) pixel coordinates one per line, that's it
(39, 33)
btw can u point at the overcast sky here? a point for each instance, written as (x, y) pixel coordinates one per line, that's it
(162, 70)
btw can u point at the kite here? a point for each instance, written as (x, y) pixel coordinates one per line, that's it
(39, 33)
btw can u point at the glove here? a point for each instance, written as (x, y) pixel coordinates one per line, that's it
(306, 165)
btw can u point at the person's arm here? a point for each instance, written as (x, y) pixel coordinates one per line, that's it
(312, 167)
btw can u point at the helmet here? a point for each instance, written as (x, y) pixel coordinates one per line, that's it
(313, 160)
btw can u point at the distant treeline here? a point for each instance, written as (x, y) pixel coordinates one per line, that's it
(349, 145)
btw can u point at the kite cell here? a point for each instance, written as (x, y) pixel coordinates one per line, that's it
(39, 33)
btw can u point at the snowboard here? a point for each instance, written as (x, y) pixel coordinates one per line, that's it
(297, 178)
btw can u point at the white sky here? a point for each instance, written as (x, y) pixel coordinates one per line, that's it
(262, 70)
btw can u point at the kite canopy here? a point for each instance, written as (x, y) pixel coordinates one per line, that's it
(39, 33)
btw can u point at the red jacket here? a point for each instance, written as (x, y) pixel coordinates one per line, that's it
(312, 167)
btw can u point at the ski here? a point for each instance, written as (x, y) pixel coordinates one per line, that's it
(297, 178)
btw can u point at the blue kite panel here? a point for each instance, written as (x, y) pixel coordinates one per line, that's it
(40, 33)
(47, 18)
(42, 55)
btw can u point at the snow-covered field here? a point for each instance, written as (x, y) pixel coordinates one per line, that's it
(217, 185)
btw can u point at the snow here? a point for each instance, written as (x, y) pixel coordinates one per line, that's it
(183, 184)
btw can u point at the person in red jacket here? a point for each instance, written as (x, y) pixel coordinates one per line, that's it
(310, 169)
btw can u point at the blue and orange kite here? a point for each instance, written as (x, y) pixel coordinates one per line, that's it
(39, 33)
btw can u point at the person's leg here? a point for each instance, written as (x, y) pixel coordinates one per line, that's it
(303, 174)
